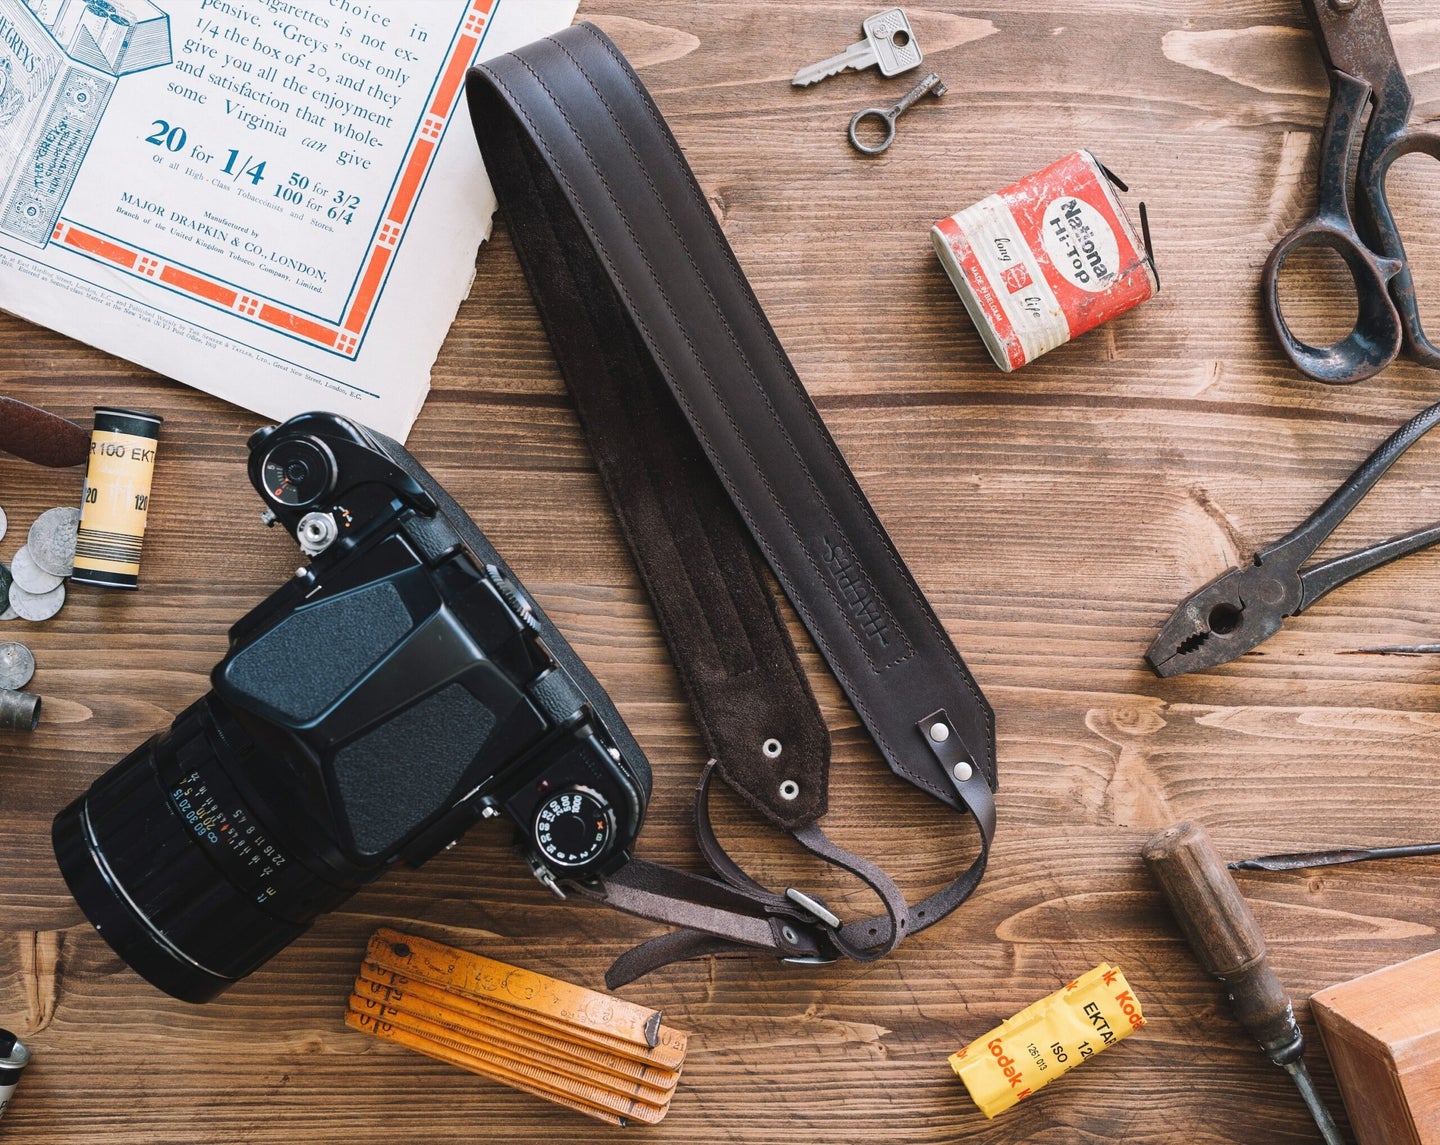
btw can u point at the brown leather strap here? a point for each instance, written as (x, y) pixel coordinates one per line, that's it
(40, 436)
(709, 445)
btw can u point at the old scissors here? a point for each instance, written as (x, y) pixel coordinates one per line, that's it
(1355, 43)
(1244, 606)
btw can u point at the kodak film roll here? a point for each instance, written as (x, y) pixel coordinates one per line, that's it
(1047, 1039)
(1045, 260)
(117, 498)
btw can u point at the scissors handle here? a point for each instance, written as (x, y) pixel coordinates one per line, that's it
(1378, 334)
(1387, 140)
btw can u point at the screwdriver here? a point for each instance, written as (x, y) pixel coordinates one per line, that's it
(1227, 940)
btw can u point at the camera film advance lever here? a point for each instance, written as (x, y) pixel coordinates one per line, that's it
(398, 689)
(715, 458)
(1243, 607)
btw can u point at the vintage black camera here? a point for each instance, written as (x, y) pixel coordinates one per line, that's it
(399, 688)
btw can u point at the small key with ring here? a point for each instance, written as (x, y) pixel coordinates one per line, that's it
(930, 85)
(889, 42)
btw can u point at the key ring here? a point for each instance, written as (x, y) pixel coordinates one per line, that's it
(885, 117)
(930, 85)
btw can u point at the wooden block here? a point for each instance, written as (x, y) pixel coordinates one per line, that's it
(1382, 1032)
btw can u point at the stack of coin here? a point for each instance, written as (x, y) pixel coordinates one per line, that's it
(599, 1055)
(34, 584)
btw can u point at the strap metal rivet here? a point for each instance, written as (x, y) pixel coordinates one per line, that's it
(789, 790)
(772, 748)
(939, 731)
(962, 771)
(789, 935)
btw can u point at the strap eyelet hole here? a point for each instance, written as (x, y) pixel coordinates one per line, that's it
(789, 790)
(772, 748)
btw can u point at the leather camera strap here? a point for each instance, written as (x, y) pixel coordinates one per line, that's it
(714, 456)
(40, 436)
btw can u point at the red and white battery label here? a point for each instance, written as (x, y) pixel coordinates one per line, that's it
(1044, 261)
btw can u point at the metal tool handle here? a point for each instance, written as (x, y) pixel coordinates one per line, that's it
(1293, 549)
(1224, 934)
(1386, 141)
(1378, 335)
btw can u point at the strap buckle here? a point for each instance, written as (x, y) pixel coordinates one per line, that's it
(815, 908)
(823, 915)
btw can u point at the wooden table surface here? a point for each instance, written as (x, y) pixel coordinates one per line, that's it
(1054, 516)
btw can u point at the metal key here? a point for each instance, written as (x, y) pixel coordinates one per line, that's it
(888, 115)
(888, 42)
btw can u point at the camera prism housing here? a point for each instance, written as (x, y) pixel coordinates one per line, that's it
(397, 689)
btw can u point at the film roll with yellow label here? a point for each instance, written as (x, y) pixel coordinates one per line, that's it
(1048, 1038)
(117, 497)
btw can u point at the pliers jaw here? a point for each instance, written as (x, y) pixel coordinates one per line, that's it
(1222, 621)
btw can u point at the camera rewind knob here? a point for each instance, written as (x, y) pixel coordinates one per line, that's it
(574, 827)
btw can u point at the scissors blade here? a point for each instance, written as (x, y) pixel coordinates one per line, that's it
(1355, 41)
(1239, 609)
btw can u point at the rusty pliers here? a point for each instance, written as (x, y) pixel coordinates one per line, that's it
(1244, 606)
(1355, 42)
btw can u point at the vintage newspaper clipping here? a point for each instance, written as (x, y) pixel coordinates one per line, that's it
(277, 201)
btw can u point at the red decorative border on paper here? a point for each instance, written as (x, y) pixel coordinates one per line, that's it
(344, 337)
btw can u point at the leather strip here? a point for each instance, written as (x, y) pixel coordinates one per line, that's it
(641, 295)
(40, 436)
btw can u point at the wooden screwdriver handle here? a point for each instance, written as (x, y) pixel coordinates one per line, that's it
(1224, 934)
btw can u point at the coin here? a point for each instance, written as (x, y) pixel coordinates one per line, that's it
(4, 524)
(17, 665)
(52, 540)
(30, 576)
(6, 580)
(36, 605)
(9, 613)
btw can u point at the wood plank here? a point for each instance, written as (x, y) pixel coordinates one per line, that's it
(1054, 516)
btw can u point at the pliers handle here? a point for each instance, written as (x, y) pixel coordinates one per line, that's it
(1245, 606)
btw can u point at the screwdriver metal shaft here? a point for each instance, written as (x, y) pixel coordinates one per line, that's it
(1306, 1085)
(1299, 860)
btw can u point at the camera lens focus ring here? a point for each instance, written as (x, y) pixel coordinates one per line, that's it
(574, 828)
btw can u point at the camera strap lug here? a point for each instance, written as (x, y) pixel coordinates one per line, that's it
(543, 875)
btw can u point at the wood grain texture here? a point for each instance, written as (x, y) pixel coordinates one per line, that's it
(1382, 1034)
(1054, 516)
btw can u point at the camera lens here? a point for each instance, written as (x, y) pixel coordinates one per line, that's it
(175, 869)
(298, 472)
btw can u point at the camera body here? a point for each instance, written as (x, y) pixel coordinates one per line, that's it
(399, 688)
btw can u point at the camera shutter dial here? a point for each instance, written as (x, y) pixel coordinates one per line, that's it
(574, 828)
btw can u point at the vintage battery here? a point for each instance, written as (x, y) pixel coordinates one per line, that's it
(1045, 260)
(117, 497)
(14, 1057)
